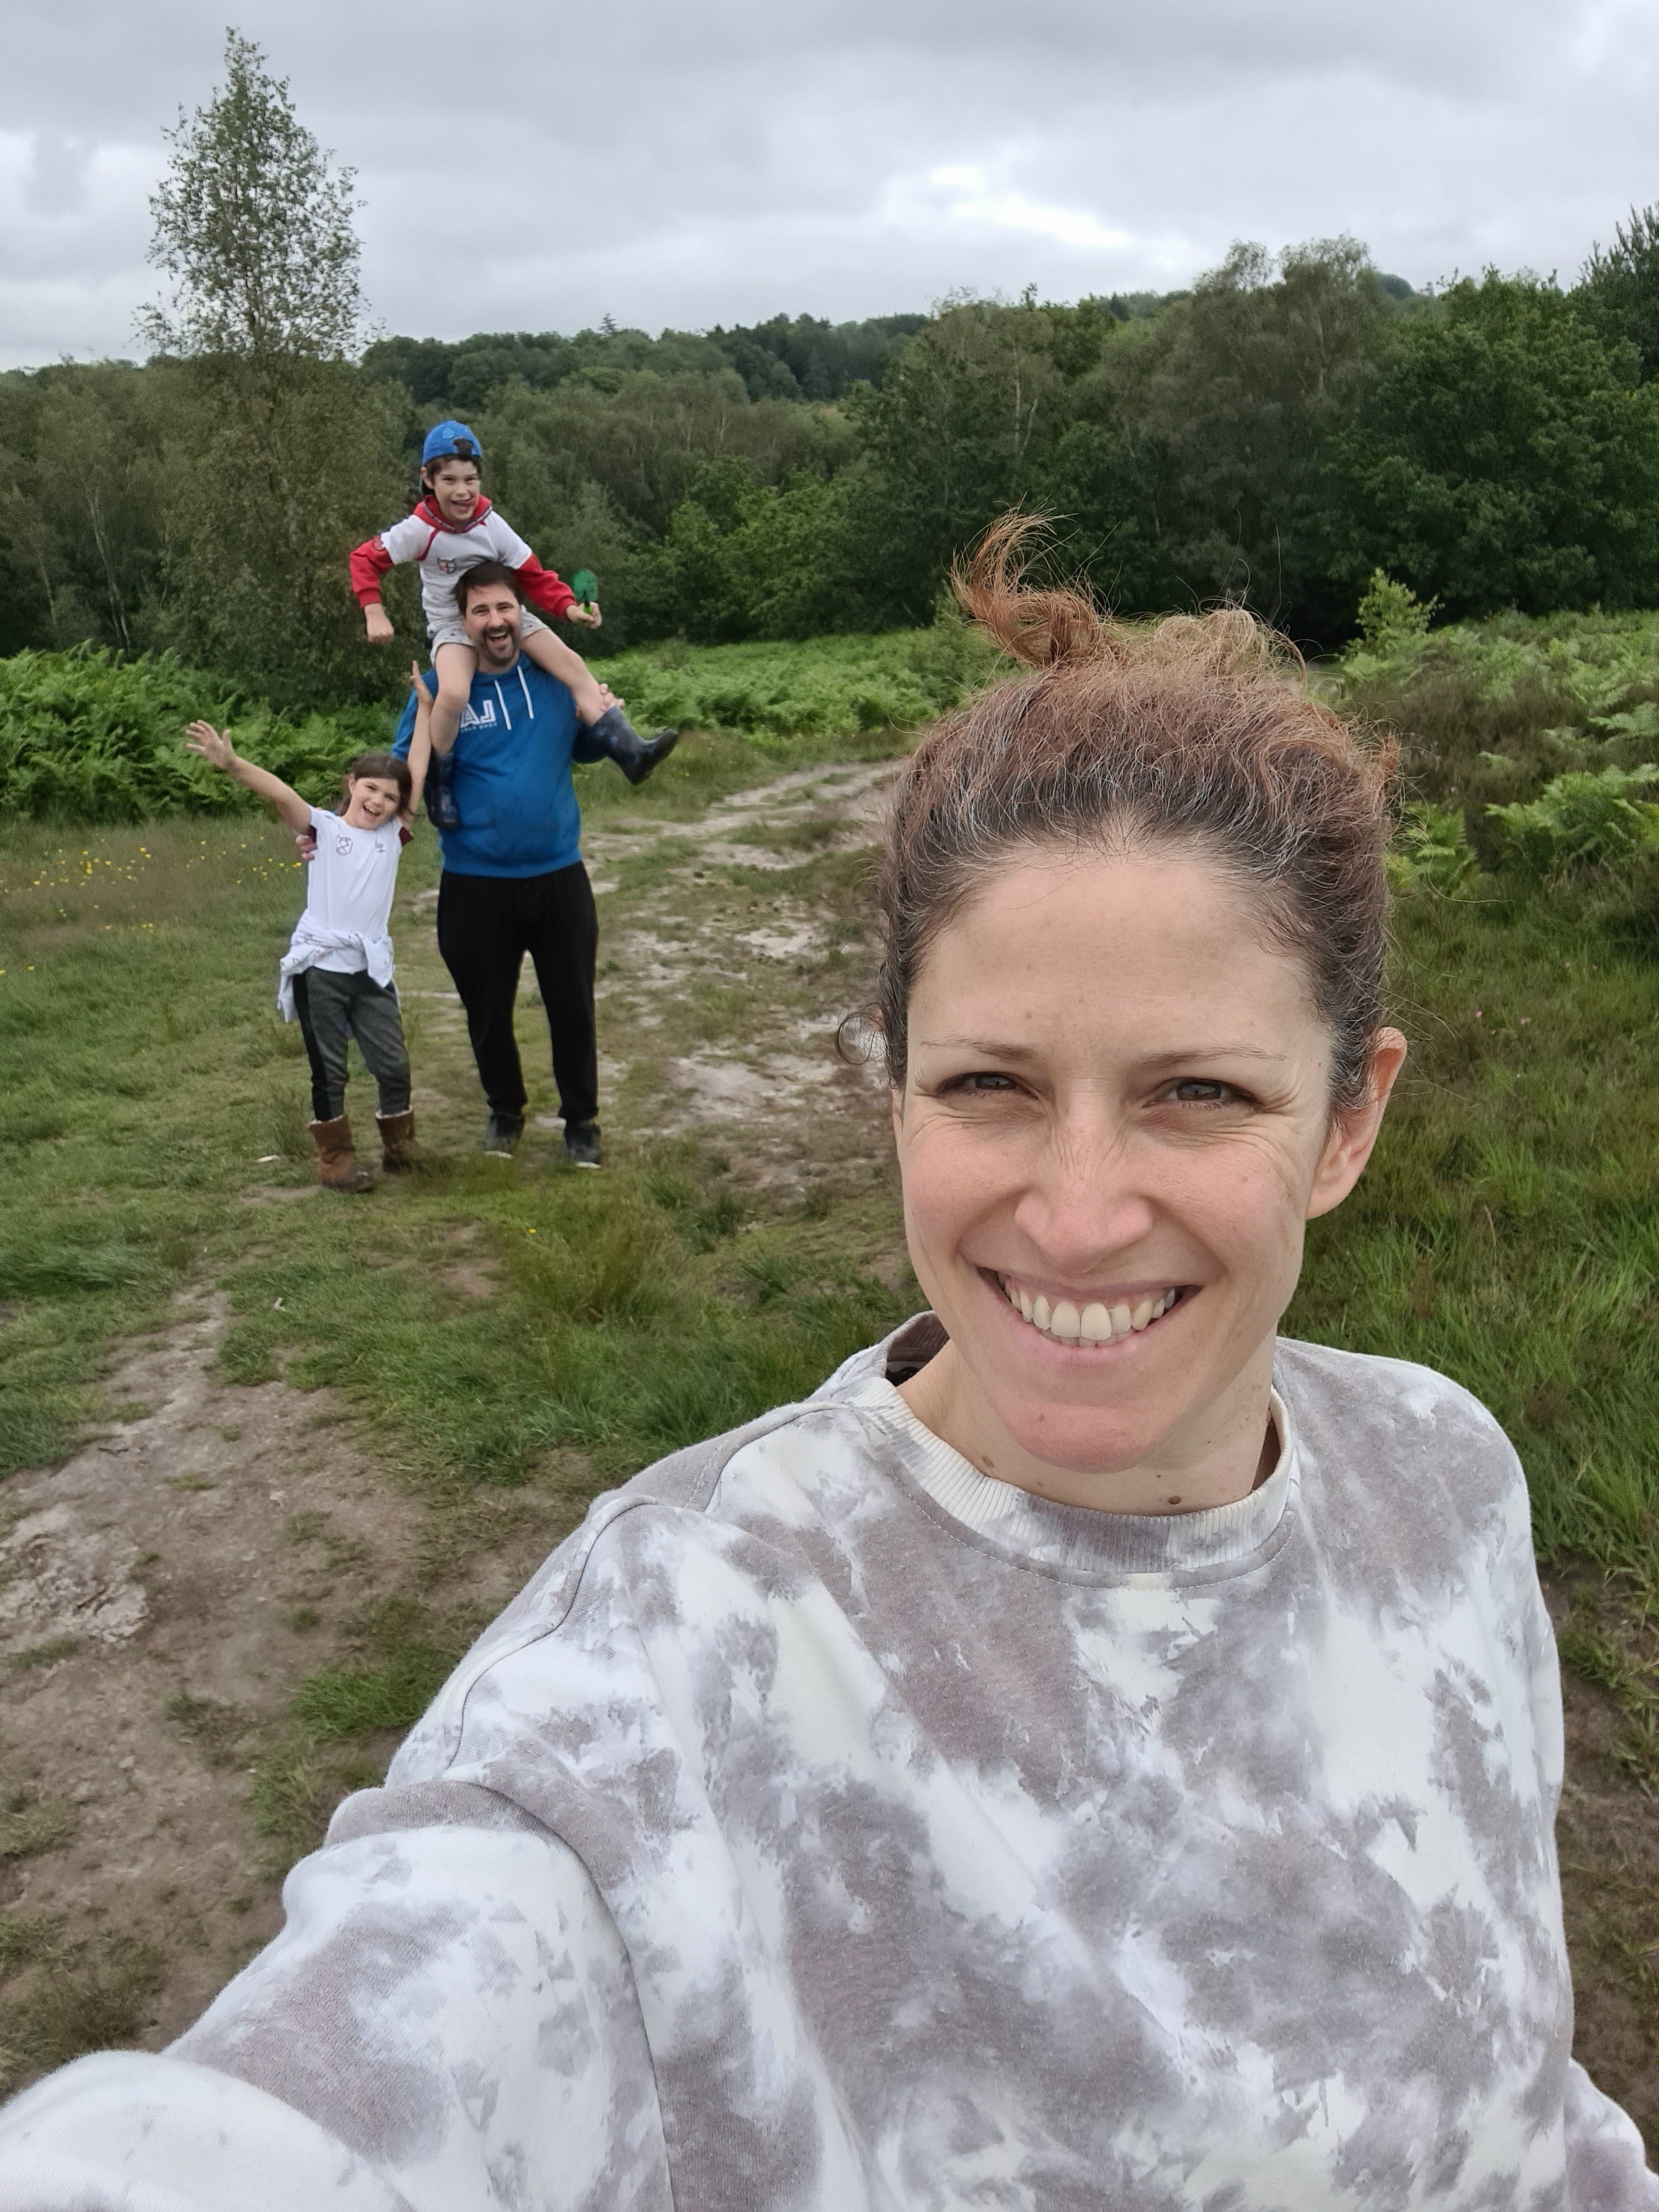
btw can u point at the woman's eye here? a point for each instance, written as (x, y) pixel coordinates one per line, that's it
(983, 1082)
(1194, 1091)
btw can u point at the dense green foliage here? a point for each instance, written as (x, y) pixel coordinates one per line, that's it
(1503, 453)
(898, 680)
(1620, 288)
(1528, 751)
(1590, 821)
(1489, 713)
(87, 737)
(1276, 433)
(798, 357)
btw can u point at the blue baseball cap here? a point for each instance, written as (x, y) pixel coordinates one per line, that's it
(450, 441)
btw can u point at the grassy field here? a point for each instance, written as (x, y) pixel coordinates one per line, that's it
(465, 1358)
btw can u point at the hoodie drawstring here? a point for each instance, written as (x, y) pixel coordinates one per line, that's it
(529, 703)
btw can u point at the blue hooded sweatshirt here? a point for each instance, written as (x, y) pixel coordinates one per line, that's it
(511, 777)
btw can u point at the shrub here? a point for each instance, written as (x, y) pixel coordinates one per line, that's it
(892, 679)
(1489, 712)
(1582, 823)
(1433, 850)
(87, 736)
(1393, 620)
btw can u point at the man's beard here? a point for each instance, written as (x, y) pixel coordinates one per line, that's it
(499, 644)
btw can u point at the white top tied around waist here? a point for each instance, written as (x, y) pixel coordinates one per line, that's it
(352, 879)
(347, 952)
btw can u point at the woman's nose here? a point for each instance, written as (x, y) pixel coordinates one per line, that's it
(1085, 1198)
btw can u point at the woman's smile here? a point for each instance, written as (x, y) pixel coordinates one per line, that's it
(1089, 1320)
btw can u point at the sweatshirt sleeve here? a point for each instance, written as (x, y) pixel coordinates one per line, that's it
(406, 733)
(547, 593)
(449, 2003)
(369, 561)
(1606, 2167)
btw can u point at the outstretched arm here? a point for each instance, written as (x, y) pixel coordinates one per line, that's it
(420, 744)
(218, 752)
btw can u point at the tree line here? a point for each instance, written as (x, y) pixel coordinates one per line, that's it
(1276, 433)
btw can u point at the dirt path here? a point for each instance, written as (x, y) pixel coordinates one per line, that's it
(161, 1592)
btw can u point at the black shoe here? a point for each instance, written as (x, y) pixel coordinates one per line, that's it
(633, 754)
(581, 1143)
(501, 1134)
(440, 795)
(652, 752)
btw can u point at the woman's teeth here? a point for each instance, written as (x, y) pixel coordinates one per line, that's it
(1094, 1323)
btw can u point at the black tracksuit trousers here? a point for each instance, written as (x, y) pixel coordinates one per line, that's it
(486, 924)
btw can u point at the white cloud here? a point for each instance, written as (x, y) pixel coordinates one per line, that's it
(972, 196)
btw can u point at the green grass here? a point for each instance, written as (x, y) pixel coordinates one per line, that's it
(144, 1074)
(59, 1998)
(155, 1119)
(152, 1086)
(1506, 1231)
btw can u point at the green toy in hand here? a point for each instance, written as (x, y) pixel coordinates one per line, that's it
(585, 585)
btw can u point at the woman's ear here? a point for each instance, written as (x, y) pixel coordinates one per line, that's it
(1354, 1134)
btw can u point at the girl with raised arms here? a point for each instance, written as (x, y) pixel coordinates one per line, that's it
(336, 974)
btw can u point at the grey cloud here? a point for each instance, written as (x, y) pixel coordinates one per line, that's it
(56, 182)
(669, 164)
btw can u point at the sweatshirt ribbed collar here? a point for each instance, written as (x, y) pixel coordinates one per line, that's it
(1068, 1536)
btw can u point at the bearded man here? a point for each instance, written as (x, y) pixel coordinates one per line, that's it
(512, 877)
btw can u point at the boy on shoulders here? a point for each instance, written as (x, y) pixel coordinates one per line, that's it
(453, 528)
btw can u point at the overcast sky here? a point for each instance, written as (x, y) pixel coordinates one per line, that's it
(664, 162)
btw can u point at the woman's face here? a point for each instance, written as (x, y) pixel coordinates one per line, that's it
(1114, 1123)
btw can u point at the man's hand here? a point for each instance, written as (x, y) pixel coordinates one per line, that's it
(216, 750)
(589, 617)
(610, 698)
(378, 623)
(305, 843)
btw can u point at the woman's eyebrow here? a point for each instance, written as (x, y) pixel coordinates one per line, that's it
(986, 1047)
(1222, 1051)
(991, 1049)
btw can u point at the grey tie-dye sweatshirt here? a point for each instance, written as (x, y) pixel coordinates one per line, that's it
(828, 1826)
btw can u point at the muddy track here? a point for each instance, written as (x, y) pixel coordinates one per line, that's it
(161, 1564)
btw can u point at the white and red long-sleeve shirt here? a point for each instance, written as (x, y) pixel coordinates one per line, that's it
(443, 552)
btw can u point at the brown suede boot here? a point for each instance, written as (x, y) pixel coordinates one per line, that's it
(337, 1163)
(399, 1153)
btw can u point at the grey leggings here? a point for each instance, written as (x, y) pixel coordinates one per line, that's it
(334, 1008)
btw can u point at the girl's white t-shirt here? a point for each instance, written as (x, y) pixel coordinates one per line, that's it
(350, 886)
